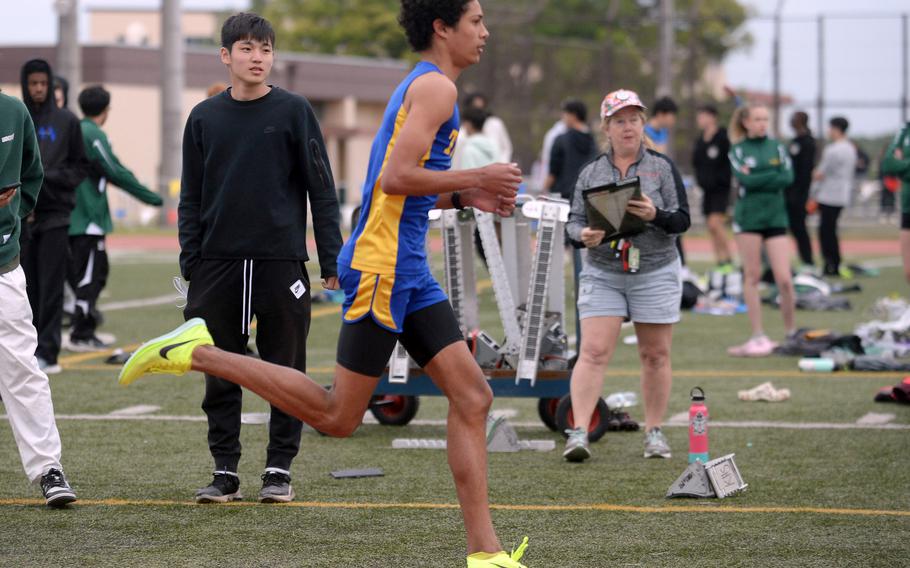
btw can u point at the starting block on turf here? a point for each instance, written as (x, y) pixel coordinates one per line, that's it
(718, 478)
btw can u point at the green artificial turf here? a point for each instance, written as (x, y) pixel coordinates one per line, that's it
(136, 478)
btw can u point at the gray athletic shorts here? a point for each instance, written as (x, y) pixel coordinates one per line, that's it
(652, 297)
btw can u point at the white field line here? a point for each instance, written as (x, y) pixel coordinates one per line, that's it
(369, 419)
(876, 418)
(140, 303)
(136, 410)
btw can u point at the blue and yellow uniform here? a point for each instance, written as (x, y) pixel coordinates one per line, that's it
(383, 268)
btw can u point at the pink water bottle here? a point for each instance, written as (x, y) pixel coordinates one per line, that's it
(698, 427)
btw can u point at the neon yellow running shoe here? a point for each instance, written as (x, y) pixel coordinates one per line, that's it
(500, 559)
(169, 354)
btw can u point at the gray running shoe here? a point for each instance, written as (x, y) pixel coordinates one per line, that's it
(656, 445)
(276, 488)
(577, 446)
(225, 487)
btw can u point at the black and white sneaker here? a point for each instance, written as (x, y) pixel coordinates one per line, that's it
(276, 487)
(89, 345)
(225, 487)
(57, 492)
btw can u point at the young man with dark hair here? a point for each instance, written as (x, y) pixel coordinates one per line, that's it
(390, 294)
(833, 179)
(45, 250)
(478, 148)
(659, 129)
(661, 123)
(712, 172)
(253, 156)
(802, 153)
(24, 388)
(91, 219)
(571, 150)
(493, 127)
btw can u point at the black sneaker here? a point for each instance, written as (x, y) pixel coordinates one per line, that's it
(89, 345)
(57, 492)
(276, 488)
(225, 487)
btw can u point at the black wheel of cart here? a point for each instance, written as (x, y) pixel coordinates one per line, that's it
(566, 421)
(546, 408)
(394, 409)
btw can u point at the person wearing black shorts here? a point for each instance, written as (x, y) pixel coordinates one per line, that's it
(712, 172)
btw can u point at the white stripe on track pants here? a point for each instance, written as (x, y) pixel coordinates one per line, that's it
(25, 389)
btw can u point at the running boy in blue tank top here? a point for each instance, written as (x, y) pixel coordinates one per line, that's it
(389, 293)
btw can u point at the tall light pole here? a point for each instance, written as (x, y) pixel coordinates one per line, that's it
(69, 53)
(665, 64)
(172, 81)
(776, 66)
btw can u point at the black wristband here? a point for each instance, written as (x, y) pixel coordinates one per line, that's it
(456, 201)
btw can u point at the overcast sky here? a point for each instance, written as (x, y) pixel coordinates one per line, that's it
(862, 60)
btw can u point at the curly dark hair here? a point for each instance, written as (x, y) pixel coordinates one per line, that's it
(417, 17)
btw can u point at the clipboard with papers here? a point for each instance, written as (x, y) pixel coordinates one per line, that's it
(605, 207)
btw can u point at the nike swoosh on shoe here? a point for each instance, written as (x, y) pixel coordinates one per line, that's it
(167, 348)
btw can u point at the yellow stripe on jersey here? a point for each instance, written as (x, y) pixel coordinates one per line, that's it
(379, 238)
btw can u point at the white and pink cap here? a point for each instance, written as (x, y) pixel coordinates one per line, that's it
(618, 100)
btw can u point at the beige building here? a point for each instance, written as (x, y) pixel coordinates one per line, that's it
(348, 94)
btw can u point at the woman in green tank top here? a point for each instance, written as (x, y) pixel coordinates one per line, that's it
(762, 167)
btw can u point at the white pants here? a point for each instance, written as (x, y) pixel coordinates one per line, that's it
(24, 387)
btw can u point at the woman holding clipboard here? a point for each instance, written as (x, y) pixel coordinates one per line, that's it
(632, 270)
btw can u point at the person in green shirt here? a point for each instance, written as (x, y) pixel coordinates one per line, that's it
(897, 163)
(91, 219)
(24, 387)
(762, 167)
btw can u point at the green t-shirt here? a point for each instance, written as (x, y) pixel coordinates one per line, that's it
(891, 166)
(20, 165)
(92, 215)
(761, 191)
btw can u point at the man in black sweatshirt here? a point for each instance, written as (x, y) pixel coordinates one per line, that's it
(571, 150)
(252, 155)
(802, 153)
(44, 239)
(713, 174)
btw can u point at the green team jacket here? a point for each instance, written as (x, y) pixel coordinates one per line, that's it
(92, 215)
(891, 166)
(20, 165)
(761, 192)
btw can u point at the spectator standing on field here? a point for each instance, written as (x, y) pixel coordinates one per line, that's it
(659, 130)
(897, 163)
(712, 172)
(24, 388)
(763, 168)
(832, 189)
(802, 154)
(479, 150)
(571, 150)
(91, 219)
(253, 156)
(44, 240)
(494, 127)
